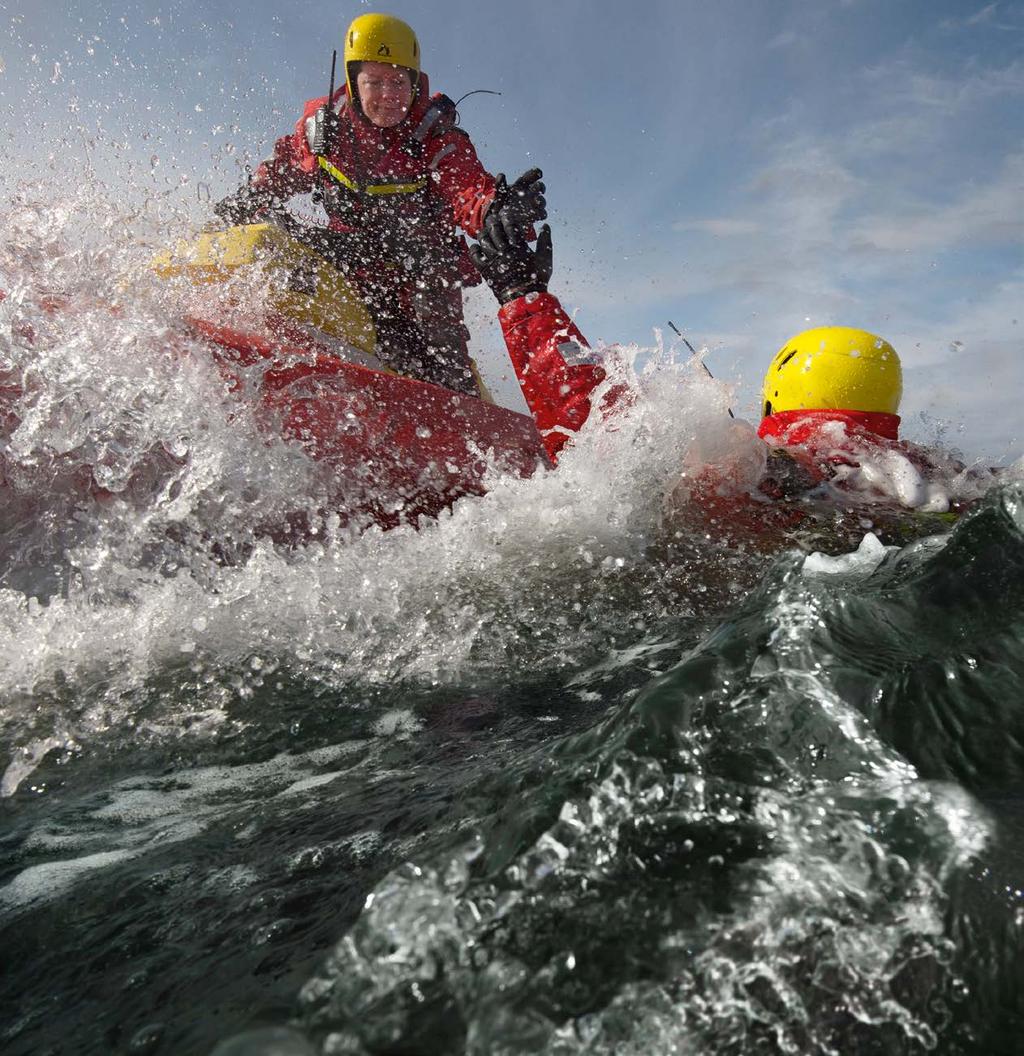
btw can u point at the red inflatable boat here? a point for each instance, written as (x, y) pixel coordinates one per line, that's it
(400, 448)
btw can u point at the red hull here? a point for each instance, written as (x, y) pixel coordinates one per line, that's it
(399, 449)
(402, 448)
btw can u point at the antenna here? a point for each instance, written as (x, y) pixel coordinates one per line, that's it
(330, 99)
(324, 120)
(702, 363)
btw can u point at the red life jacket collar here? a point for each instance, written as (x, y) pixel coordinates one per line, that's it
(797, 427)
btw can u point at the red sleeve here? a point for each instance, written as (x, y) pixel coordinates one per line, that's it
(293, 166)
(461, 179)
(557, 392)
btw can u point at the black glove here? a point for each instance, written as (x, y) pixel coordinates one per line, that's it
(244, 206)
(508, 264)
(523, 203)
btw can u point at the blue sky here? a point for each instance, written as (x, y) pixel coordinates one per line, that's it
(747, 169)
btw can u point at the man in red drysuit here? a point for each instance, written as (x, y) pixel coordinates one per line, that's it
(396, 177)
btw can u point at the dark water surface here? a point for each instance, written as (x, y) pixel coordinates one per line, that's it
(802, 836)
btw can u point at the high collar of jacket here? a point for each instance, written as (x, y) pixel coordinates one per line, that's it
(797, 427)
(368, 132)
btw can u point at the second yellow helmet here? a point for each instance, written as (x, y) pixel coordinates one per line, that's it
(834, 368)
(381, 38)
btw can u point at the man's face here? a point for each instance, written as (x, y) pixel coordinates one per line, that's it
(385, 93)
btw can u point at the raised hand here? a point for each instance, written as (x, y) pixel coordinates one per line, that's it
(507, 262)
(522, 202)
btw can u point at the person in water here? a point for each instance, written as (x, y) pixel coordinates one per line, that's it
(830, 395)
(396, 176)
(830, 401)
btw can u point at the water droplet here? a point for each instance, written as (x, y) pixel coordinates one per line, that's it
(147, 1039)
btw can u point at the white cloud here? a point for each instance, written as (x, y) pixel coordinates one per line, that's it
(988, 17)
(894, 135)
(719, 227)
(783, 40)
(985, 213)
(984, 15)
(903, 82)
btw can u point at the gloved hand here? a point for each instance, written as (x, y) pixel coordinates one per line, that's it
(508, 264)
(523, 202)
(244, 206)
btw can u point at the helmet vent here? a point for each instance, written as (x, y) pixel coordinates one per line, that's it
(787, 359)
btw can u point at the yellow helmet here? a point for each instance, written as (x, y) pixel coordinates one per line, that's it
(381, 38)
(834, 368)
